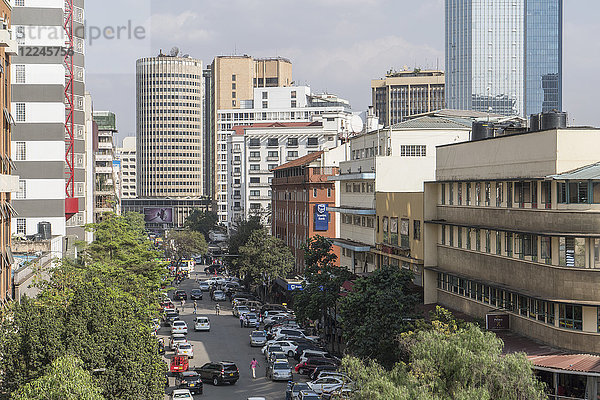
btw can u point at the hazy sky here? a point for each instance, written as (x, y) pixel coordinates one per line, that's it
(336, 46)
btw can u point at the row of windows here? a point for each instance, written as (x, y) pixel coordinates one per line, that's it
(570, 316)
(397, 231)
(497, 193)
(363, 187)
(365, 222)
(167, 89)
(413, 151)
(145, 125)
(572, 251)
(291, 142)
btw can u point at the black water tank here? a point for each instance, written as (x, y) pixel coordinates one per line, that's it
(45, 230)
(482, 130)
(534, 122)
(553, 120)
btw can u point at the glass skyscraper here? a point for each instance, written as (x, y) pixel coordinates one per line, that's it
(504, 56)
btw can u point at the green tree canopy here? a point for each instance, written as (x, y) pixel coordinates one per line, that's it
(376, 312)
(65, 379)
(264, 258)
(241, 234)
(202, 221)
(186, 244)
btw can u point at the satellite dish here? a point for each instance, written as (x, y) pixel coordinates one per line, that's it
(356, 124)
(174, 51)
(186, 56)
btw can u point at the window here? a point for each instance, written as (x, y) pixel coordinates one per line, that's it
(469, 230)
(468, 194)
(573, 193)
(488, 241)
(385, 230)
(20, 73)
(20, 151)
(265, 104)
(22, 193)
(488, 194)
(254, 180)
(20, 112)
(21, 226)
(571, 252)
(417, 230)
(253, 154)
(315, 192)
(233, 78)
(255, 193)
(404, 233)
(329, 193)
(546, 199)
(451, 193)
(254, 167)
(273, 142)
(265, 95)
(498, 194)
(459, 193)
(254, 142)
(271, 167)
(443, 193)
(509, 194)
(292, 142)
(478, 193)
(451, 238)
(570, 317)
(443, 234)
(292, 154)
(477, 240)
(459, 237)
(508, 244)
(313, 141)
(233, 95)
(413, 151)
(498, 243)
(233, 103)
(546, 249)
(293, 104)
(394, 231)
(233, 86)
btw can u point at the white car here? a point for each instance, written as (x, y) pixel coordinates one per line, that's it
(177, 340)
(240, 310)
(309, 353)
(282, 332)
(185, 349)
(181, 394)
(204, 286)
(179, 327)
(341, 375)
(328, 384)
(258, 338)
(219, 295)
(201, 324)
(287, 346)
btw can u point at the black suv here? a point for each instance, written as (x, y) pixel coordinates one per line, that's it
(196, 294)
(180, 295)
(219, 373)
(189, 380)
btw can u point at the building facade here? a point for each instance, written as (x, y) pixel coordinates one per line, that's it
(270, 105)
(106, 190)
(255, 151)
(233, 79)
(301, 198)
(504, 56)
(164, 214)
(170, 127)
(513, 226)
(402, 94)
(49, 137)
(127, 156)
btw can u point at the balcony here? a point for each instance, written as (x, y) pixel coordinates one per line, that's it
(273, 158)
(104, 170)
(237, 150)
(263, 184)
(105, 145)
(259, 171)
(237, 174)
(237, 197)
(237, 185)
(291, 158)
(264, 198)
(104, 157)
(237, 162)
(254, 159)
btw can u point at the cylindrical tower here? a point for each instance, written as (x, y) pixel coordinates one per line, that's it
(169, 126)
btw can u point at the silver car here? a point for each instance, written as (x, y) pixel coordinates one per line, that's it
(219, 295)
(258, 338)
(279, 371)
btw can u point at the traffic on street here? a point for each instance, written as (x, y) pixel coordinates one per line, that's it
(222, 343)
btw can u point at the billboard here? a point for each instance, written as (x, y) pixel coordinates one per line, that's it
(158, 215)
(321, 217)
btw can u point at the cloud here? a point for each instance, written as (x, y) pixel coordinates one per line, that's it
(183, 27)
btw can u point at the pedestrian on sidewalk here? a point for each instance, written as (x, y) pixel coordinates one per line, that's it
(241, 320)
(217, 309)
(253, 365)
(195, 306)
(182, 304)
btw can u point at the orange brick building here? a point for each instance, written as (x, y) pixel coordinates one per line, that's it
(301, 197)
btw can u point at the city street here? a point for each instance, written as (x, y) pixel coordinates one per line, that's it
(226, 341)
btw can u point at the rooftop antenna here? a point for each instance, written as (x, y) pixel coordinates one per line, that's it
(174, 51)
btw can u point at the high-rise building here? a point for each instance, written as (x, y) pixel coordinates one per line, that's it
(169, 127)
(233, 79)
(127, 156)
(106, 192)
(50, 117)
(402, 94)
(504, 56)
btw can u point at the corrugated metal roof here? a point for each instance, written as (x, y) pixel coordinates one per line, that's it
(304, 160)
(589, 172)
(569, 362)
(433, 122)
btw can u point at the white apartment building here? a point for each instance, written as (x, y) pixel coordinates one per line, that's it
(106, 174)
(270, 105)
(255, 151)
(395, 160)
(127, 156)
(49, 138)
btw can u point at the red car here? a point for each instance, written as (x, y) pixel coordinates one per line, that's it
(307, 367)
(179, 364)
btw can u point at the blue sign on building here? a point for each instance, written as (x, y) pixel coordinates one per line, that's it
(294, 286)
(321, 217)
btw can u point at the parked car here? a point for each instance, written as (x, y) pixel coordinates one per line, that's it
(176, 340)
(185, 349)
(329, 384)
(304, 346)
(312, 353)
(189, 380)
(219, 373)
(170, 316)
(293, 389)
(250, 320)
(308, 366)
(279, 371)
(201, 324)
(258, 338)
(287, 346)
(219, 295)
(240, 310)
(179, 364)
(280, 333)
(276, 356)
(204, 286)
(179, 327)
(181, 394)
(271, 348)
(268, 307)
(308, 395)
(180, 295)
(196, 294)
(326, 370)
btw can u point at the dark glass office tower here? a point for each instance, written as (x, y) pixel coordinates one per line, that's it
(504, 56)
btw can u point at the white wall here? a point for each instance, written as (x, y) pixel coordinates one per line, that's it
(38, 74)
(49, 35)
(280, 97)
(58, 225)
(43, 112)
(45, 189)
(42, 4)
(42, 151)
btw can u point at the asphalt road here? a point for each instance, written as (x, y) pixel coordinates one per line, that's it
(226, 341)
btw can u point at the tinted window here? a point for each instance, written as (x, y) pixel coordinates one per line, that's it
(230, 367)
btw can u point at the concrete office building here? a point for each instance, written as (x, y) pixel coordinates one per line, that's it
(301, 198)
(169, 127)
(50, 117)
(106, 191)
(402, 94)
(504, 56)
(269, 105)
(233, 79)
(381, 192)
(257, 150)
(127, 156)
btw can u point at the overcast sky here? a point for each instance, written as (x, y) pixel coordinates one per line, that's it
(336, 46)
